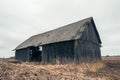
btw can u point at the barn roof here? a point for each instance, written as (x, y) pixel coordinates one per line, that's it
(65, 33)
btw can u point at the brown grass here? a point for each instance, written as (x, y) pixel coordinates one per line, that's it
(106, 70)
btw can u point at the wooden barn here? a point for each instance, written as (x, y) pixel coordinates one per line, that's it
(74, 42)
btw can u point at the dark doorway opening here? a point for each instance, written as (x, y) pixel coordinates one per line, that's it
(35, 54)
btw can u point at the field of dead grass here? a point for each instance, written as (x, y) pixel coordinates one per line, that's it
(109, 69)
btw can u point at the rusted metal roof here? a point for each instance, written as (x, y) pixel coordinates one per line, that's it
(68, 32)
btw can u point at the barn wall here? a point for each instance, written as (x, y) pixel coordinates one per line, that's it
(62, 52)
(88, 46)
(22, 54)
(28, 54)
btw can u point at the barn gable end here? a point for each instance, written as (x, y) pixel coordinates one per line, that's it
(88, 46)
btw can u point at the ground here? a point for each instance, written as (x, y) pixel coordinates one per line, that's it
(108, 69)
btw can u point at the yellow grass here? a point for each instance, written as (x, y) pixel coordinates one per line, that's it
(36, 71)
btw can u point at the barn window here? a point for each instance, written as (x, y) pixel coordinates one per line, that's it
(40, 48)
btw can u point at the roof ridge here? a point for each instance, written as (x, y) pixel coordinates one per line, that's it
(89, 18)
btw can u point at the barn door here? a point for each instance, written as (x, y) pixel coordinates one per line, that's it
(35, 54)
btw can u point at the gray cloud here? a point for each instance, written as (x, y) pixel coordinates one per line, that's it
(19, 19)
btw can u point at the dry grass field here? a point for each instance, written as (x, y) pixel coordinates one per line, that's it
(108, 69)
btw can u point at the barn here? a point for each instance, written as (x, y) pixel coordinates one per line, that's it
(75, 42)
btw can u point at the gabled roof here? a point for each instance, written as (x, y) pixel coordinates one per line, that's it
(69, 32)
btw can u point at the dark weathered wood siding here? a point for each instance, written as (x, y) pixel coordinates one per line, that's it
(28, 54)
(62, 52)
(88, 46)
(22, 54)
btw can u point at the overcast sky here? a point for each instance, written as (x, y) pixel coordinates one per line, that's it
(20, 19)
